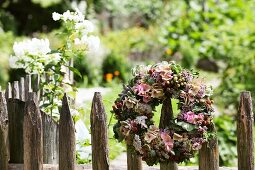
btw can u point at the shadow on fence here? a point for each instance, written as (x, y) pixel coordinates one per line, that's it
(31, 140)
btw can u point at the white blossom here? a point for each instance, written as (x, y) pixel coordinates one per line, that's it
(93, 43)
(76, 16)
(56, 16)
(13, 62)
(55, 58)
(31, 47)
(85, 26)
(66, 15)
(32, 55)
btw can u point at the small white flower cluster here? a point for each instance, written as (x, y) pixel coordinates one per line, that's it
(33, 47)
(82, 28)
(76, 16)
(32, 55)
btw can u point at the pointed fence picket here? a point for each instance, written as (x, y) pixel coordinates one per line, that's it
(31, 140)
(32, 134)
(66, 138)
(99, 138)
(3, 133)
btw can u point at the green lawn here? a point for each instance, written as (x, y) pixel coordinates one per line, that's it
(115, 148)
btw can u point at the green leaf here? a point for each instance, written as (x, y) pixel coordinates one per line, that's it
(187, 126)
(75, 71)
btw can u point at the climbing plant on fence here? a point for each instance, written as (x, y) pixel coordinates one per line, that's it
(55, 67)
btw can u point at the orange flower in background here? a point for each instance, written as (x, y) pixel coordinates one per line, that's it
(116, 73)
(169, 51)
(108, 77)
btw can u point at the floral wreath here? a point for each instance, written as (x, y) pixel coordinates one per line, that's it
(187, 131)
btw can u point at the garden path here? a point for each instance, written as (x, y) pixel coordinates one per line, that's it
(86, 94)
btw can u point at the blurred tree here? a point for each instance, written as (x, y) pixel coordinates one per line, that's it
(33, 15)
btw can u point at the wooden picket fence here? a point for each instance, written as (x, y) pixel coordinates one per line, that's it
(32, 140)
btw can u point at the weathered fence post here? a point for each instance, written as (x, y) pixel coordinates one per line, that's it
(209, 155)
(15, 109)
(35, 85)
(50, 139)
(27, 86)
(3, 133)
(245, 145)
(165, 118)
(33, 141)
(66, 138)
(134, 162)
(15, 90)
(99, 136)
(8, 91)
(22, 89)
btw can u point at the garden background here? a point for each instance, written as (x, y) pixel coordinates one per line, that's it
(214, 37)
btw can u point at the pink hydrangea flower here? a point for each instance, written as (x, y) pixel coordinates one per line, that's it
(200, 118)
(166, 76)
(190, 117)
(168, 141)
(142, 89)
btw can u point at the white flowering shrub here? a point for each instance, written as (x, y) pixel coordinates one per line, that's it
(36, 57)
(33, 55)
(79, 30)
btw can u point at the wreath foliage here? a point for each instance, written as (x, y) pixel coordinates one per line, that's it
(187, 130)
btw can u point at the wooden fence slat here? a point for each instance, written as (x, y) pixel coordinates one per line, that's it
(35, 79)
(15, 109)
(15, 90)
(66, 138)
(134, 162)
(27, 86)
(99, 136)
(209, 155)
(33, 141)
(166, 116)
(50, 139)
(245, 145)
(8, 91)
(22, 89)
(3, 133)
